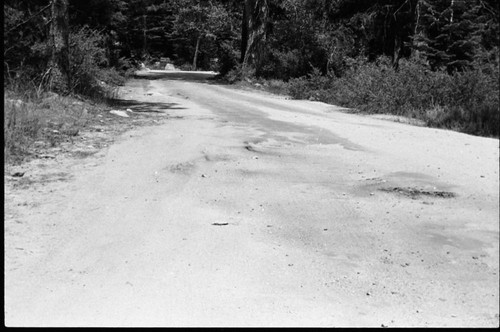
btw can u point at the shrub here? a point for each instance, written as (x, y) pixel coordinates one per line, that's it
(89, 74)
(126, 67)
(283, 64)
(465, 101)
(238, 73)
(309, 87)
(227, 59)
(276, 86)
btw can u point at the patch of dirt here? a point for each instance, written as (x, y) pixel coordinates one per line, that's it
(183, 168)
(47, 160)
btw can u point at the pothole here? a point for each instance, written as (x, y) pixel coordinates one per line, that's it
(415, 193)
(250, 148)
(250, 145)
(182, 168)
(210, 157)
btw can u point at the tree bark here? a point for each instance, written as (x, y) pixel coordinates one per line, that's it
(257, 15)
(59, 64)
(196, 50)
(397, 51)
(244, 32)
(144, 36)
(417, 32)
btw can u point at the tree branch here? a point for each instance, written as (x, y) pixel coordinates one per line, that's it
(29, 19)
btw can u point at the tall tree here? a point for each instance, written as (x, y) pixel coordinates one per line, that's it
(386, 25)
(254, 28)
(197, 21)
(59, 64)
(453, 34)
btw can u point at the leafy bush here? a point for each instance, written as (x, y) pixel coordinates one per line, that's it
(311, 86)
(465, 101)
(283, 64)
(126, 67)
(276, 86)
(239, 73)
(29, 115)
(227, 58)
(89, 73)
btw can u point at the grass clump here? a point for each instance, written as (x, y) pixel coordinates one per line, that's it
(42, 108)
(21, 127)
(45, 122)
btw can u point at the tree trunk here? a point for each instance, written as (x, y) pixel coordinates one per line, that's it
(257, 14)
(196, 50)
(144, 36)
(416, 29)
(59, 65)
(418, 32)
(397, 51)
(244, 32)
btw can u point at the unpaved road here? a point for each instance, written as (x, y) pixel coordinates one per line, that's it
(247, 209)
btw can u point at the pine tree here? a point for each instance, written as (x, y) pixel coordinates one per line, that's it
(452, 33)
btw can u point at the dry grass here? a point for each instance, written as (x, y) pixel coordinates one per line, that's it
(45, 121)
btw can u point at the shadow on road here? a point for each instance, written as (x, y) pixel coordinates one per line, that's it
(189, 76)
(145, 107)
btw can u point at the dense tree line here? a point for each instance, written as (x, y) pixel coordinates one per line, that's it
(282, 38)
(272, 39)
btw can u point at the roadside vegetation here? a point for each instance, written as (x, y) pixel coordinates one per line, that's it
(43, 109)
(432, 60)
(465, 101)
(436, 61)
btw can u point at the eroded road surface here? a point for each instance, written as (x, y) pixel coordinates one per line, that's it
(247, 209)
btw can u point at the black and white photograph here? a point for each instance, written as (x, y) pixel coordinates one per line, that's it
(251, 163)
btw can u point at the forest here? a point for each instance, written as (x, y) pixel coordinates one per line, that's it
(432, 60)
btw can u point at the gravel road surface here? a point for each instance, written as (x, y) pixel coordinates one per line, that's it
(248, 209)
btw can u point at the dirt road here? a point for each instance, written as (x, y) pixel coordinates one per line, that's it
(247, 209)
